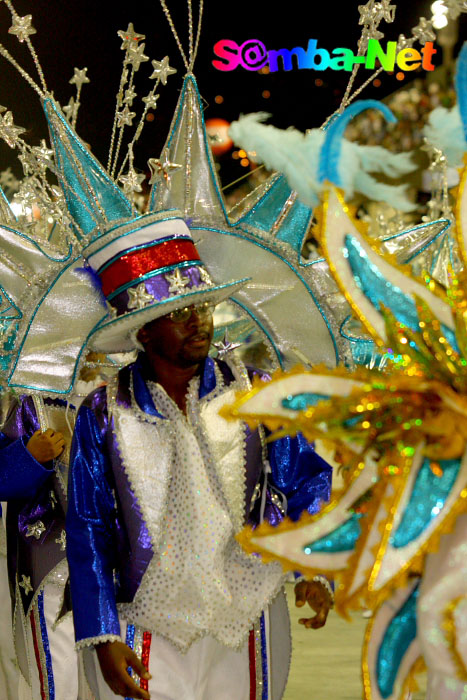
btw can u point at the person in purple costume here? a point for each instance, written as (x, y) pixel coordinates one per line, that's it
(34, 461)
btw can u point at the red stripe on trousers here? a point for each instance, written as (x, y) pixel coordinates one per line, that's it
(252, 655)
(145, 657)
(37, 654)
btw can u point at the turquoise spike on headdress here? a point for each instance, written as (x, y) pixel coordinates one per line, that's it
(194, 187)
(331, 149)
(279, 213)
(461, 86)
(92, 198)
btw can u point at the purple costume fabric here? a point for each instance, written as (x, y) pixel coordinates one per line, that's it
(105, 531)
(27, 486)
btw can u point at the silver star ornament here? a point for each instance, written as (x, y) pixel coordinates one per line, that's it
(205, 276)
(80, 77)
(26, 584)
(35, 529)
(9, 132)
(177, 282)
(22, 27)
(138, 297)
(130, 95)
(132, 181)
(125, 117)
(224, 346)
(151, 100)
(136, 56)
(162, 70)
(62, 541)
(129, 37)
(423, 32)
(162, 168)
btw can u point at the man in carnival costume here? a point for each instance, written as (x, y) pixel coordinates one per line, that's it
(202, 616)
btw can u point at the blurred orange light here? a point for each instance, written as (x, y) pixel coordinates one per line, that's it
(218, 99)
(245, 162)
(242, 153)
(318, 82)
(400, 76)
(149, 117)
(235, 155)
(266, 94)
(377, 82)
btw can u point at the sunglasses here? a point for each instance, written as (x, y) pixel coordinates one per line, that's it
(182, 315)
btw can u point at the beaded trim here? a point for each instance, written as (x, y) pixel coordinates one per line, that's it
(93, 641)
(319, 578)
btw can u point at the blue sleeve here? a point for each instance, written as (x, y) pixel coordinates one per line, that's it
(21, 476)
(90, 533)
(300, 474)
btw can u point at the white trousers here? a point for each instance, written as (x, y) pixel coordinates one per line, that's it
(9, 674)
(55, 668)
(208, 671)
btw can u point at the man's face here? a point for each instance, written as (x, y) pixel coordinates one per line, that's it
(183, 344)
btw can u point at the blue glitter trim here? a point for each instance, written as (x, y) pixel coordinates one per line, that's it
(130, 642)
(295, 270)
(399, 634)
(427, 500)
(142, 246)
(300, 402)
(207, 149)
(154, 273)
(46, 646)
(342, 539)
(264, 658)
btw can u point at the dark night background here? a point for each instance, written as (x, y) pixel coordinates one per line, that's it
(83, 33)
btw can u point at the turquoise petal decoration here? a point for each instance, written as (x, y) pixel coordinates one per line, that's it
(400, 633)
(342, 539)
(295, 226)
(300, 402)
(266, 212)
(92, 197)
(364, 350)
(427, 500)
(379, 290)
